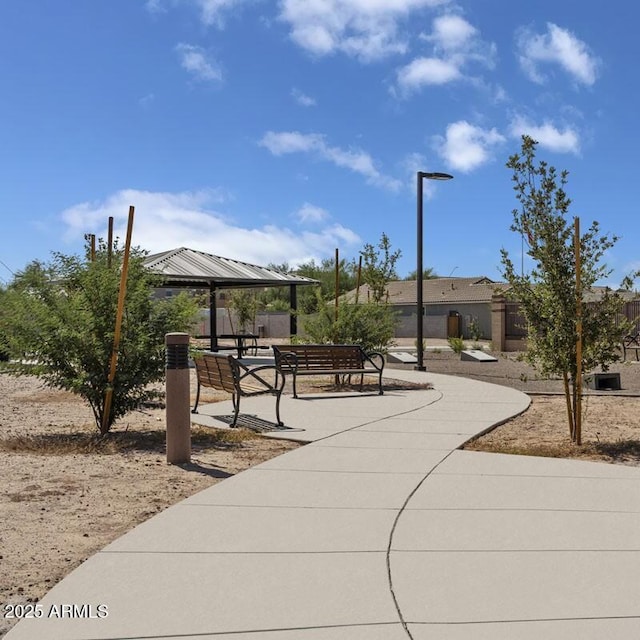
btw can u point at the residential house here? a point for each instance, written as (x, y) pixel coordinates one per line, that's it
(452, 307)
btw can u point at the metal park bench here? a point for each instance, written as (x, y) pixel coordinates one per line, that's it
(226, 373)
(327, 359)
(631, 342)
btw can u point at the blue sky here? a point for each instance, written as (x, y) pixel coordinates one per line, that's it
(279, 130)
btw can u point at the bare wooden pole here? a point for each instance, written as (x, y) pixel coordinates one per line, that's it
(92, 239)
(337, 282)
(116, 334)
(358, 279)
(110, 242)
(578, 381)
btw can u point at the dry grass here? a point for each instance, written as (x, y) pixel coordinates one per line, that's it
(622, 452)
(329, 384)
(610, 431)
(81, 442)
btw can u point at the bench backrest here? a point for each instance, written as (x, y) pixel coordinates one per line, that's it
(322, 357)
(217, 370)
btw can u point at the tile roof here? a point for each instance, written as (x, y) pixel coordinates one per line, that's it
(437, 291)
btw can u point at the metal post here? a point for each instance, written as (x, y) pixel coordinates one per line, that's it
(293, 313)
(178, 416)
(578, 381)
(420, 269)
(213, 319)
(419, 275)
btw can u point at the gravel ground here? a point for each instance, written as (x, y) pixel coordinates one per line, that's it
(511, 372)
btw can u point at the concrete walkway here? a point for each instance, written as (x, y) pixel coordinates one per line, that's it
(379, 529)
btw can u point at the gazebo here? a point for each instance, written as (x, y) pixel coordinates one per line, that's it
(191, 269)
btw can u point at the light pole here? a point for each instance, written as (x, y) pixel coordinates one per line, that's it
(420, 269)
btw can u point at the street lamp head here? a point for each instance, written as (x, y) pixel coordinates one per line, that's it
(435, 175)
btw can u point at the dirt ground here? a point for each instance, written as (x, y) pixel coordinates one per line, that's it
(65, 495)
(611, 419)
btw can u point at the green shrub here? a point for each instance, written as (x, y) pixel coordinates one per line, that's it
(457, 344)
(370, 325)
(59, 322)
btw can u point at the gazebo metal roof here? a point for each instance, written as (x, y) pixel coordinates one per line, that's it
(191, 269)
(185, 267)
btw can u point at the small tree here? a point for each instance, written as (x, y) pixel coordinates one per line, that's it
(548, 294)
(325, 273)
(370, 325)
(244, 303)
(428, 273)
(378, 270)
(59, 322)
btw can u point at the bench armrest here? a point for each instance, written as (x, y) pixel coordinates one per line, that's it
(376, 359)
(255, 375)
(287, 361)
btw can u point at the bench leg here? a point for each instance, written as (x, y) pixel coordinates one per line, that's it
(236, 408)
(381, 392)
(195, 406)
(279, 420)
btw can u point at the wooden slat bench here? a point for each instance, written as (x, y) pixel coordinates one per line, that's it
(327, 359)
(631, 343)
(226, 373)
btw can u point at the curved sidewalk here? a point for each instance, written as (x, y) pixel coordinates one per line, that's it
(378, 529)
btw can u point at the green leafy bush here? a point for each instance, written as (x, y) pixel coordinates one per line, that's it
(370, 325)
(457, 344)
(59, 321)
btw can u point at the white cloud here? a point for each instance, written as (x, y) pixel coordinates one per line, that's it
(166, 221)
(556, 46)
(356, 160)
(212, 12)
(194, 60)
(465, 147)
(302, 98)
(547, 134)
(309, 213)
(452, 33)
(455, 45)
(280, 143)
(423, 71)
(365, 29)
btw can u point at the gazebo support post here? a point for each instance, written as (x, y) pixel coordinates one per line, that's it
(293, 314)
(213, 316)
